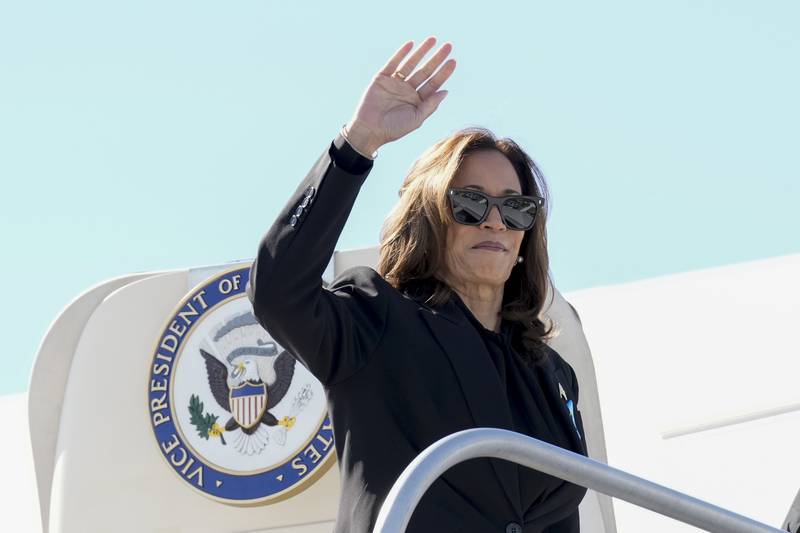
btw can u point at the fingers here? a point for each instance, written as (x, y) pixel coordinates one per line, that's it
(411, 63)
(391, 65)
(431, 103)
(433, 84)
(430, 66)
(429, 93)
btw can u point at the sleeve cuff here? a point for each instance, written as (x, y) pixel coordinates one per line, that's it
(348, 158)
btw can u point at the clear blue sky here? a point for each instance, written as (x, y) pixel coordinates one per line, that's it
(149, 135)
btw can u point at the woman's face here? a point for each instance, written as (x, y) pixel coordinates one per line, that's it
(486, 253)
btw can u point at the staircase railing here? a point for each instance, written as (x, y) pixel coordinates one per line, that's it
(575, 468)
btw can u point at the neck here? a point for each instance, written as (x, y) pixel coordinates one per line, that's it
(484, 301)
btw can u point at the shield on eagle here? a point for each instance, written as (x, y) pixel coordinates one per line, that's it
(248, 402)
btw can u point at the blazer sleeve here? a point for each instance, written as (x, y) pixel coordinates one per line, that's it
(333, 331)
(573, 378)
(576, 391)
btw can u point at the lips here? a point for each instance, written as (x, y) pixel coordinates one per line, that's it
(490, 245)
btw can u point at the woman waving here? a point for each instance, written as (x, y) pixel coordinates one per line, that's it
(446, 335)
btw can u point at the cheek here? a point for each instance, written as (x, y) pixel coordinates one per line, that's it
(451, 242)
(455, 243)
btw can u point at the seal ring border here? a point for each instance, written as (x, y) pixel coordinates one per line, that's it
(178, 426)
(329, 460)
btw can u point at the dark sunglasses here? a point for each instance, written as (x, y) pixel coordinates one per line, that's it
(471, 207)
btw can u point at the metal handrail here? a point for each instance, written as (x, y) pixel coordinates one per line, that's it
(436, 459)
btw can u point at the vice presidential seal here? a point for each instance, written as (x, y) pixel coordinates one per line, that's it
(233, 413)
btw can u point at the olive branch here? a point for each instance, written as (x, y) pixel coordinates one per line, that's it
(206, 424)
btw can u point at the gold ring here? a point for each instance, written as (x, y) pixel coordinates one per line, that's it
(400, 75)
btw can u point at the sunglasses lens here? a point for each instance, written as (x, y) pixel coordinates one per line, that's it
(518, 213)
(468, 207)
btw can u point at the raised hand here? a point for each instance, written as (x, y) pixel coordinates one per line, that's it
(399, 100)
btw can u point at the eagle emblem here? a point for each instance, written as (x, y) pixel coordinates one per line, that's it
(253, 379)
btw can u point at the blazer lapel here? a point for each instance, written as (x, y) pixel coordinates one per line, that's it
(556, 380)
(478, 379)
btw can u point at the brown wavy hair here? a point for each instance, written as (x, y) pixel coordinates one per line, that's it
(413, 238)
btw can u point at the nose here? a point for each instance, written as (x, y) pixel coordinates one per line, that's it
(494, 220)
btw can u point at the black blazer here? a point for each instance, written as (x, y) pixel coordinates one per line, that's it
(398, 375)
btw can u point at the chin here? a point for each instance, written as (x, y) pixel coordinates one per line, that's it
(493, 276)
